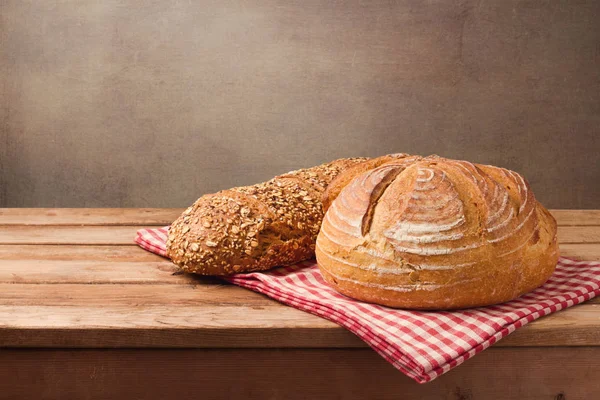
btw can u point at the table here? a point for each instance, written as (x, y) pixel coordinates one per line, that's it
(85, 313)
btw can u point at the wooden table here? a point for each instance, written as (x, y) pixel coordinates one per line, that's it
(84, 313)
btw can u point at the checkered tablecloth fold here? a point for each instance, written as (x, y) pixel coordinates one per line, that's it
(421, 344)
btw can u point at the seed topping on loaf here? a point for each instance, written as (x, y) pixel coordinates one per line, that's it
(254, 227)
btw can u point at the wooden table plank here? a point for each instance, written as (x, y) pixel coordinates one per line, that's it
(88, 235)
(164, 216)
(97, 272)
(581, 251)
(177, 338)
(254, 324)
(213, 295)
(576, 217)
(107, 255)
(116, 253)
(89, 216)
(579, 234)
(124, 235)
(508, 374)
(196, 291)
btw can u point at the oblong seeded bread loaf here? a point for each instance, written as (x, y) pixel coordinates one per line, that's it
(254, 228)
(435, 233)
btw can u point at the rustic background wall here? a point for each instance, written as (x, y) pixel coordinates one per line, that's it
(153, 103)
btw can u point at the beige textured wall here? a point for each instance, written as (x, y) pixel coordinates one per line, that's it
(152, 103)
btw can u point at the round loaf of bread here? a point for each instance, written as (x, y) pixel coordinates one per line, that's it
(435, 233)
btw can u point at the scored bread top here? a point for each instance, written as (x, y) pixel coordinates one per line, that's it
(436, 233)
(254, 227)
(336, 185)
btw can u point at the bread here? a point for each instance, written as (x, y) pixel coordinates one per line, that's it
(435, 233)
(336, 185)
(255, 227)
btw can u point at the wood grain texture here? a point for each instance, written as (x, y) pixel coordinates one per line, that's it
(156, 103)
(576, 217)
(211, 294)
(553, 373)
(113, 294)
(124, 235)
(201, 326)
(204, 324)
(579, 234)
(97, 272)
(116, 253)
(586, 251)
(34, 235)
(35, 271)
(89, 216)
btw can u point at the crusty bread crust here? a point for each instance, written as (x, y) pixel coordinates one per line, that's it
(435, 233)
(336, 185)
(254, 228)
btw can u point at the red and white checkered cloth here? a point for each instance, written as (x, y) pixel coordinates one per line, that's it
(423, 345)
